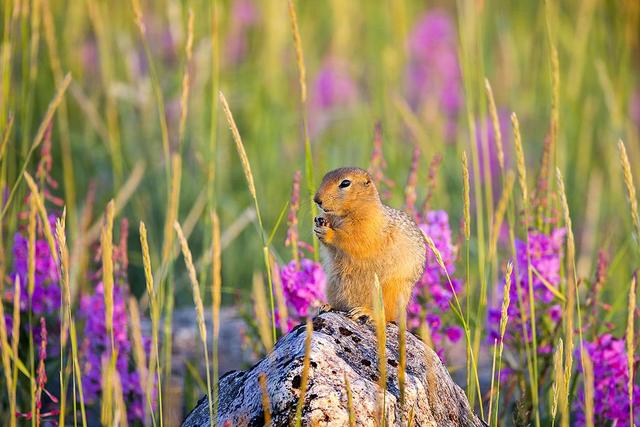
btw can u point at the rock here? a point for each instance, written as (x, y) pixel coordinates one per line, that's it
(339, 347)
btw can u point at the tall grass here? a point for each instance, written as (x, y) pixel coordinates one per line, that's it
(246, 167)
(197, 300)
(216, 298)
(457, 309)
(266, 405)
(154, 361)
(379, 320)
(302, 81)
(630, 341)
(306, 365)
(6, 361)
(137, 72)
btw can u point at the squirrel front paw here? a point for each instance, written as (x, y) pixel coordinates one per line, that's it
(325, 308)
(322, 229)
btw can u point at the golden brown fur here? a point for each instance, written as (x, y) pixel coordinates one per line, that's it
(361, 238)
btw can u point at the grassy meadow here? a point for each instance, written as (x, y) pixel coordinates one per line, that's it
(148, 151)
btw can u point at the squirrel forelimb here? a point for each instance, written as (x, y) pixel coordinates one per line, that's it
(323, 231)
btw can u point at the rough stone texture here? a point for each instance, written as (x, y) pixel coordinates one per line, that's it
(341, 346)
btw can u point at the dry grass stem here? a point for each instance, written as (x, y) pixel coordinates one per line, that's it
(465, 191)
(497, 132)
(381, 338)
(106, 246)
(520, 163)
(350, 407)
(5, 351)
(261, 312)
(630, 341)
(402, 352)
(244, 160)
(44, 217)
(136, 333)
(186, 79)
(216, 300)
(631, 189)
(197, 300)
(266, 405)
(588, 389)
(281, 302)
(557, 388)
(306, 366)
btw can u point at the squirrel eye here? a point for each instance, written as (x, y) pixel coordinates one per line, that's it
(345, 183)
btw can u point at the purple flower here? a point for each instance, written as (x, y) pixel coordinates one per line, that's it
(46, 292)
(453, 333)
(303, 286)
(433, 72)
(432, 294)
(611, 376)
(333, 88)
(244, 16)
(96, 347)
(545, 253)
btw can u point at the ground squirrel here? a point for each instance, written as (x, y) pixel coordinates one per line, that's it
(362, 237)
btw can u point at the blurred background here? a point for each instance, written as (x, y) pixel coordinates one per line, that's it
(415, 69)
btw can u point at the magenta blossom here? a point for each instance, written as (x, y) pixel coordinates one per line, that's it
(545, 253)
(244, 16)
(432, 294)
(611, 376)
(46, 292)
(303, 286)
(96, 345)
(332, 89)
(433, 73)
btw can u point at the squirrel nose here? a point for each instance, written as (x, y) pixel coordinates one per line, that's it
(316, 199)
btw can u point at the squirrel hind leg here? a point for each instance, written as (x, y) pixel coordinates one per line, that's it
(359, 314)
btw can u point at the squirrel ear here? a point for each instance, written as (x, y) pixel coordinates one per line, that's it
(367, 182)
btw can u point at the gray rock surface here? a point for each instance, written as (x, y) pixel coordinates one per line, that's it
(339, 347)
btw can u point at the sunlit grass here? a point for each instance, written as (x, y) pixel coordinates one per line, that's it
(128, 93)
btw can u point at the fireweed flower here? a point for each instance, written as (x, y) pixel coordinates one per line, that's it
(46, 292)
(332, 90)
(244, 16)
(49, 410)
(611, 375)
(96, 347)
(432, 293)
(546, 253)
(97, 342)
(433, 73)
(303, 286)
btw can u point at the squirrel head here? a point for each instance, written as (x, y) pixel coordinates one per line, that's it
(347, 191)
